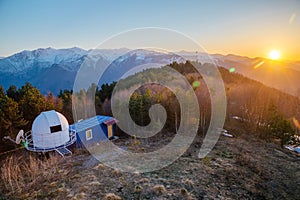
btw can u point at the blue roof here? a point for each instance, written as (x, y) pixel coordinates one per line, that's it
(91, 122)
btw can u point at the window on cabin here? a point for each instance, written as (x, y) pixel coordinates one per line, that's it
(56, 128)
(88, 134)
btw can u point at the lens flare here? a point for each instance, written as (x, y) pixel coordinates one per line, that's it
(231, 70)
(259, 64)
(196, 84)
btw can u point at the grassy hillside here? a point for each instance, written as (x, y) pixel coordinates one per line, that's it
(238, 168)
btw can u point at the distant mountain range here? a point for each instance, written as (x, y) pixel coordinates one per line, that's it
(54, 69)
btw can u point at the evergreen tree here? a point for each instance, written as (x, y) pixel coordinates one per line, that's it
(106, 91)
(32, 102)
(11, 118)
(66, 98)
(13, 93)
(278, 126)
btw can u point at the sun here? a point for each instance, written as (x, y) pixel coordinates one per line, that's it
(274, 55)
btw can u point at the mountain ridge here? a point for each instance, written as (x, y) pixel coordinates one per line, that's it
(61, 65)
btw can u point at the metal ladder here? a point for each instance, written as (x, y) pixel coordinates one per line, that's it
(63, 151)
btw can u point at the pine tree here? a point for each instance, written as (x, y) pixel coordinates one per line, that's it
(279, 126)
(32, 102)
(11, 119)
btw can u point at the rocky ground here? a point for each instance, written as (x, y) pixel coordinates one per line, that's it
(238, 168)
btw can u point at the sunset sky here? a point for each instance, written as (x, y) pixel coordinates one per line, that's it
(249, 28)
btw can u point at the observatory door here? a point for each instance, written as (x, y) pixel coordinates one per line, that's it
(109, 131)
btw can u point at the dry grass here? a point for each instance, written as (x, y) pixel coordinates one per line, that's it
(246, 161)
(19, 173)
(138, 189)
(235, 169)
(144, 180)
(206, 160)
(183, 191)
(111, 196)
(135, 145)
(159, 189)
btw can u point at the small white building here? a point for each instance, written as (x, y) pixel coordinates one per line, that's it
(50, 129)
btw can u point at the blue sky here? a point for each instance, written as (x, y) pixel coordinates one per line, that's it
(250, 28)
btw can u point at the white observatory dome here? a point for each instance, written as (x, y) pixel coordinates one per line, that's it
(50, 129)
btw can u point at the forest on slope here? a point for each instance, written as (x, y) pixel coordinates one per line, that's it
(262, 111)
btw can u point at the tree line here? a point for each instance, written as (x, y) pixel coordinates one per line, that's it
(263, 111)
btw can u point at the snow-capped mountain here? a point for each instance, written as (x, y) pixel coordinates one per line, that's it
(140, 57)
(40, 58)
(54, 69)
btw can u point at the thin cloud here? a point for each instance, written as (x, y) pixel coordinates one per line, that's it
(292, 18)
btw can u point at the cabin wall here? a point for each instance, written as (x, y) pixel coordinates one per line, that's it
(99, 133)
